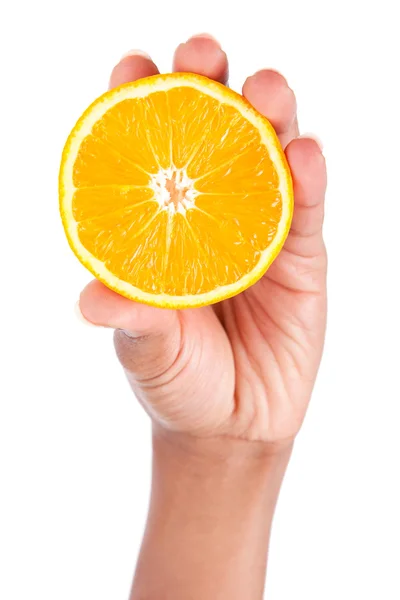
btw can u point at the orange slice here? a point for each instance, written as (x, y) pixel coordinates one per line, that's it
(174, 191)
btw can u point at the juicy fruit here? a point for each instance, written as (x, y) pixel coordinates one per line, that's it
(174, 191)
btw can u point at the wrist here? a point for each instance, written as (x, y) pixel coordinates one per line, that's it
(241, 472)
(220, 451)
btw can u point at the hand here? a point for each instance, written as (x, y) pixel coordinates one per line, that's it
(243, 368)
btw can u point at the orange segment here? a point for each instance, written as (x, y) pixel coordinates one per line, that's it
(249, 171)
(196, 270)
(96, 201)
(157, 121)
(229, 136)
(254, 216)
(188, 133)
(174, 191)
(100, 163)
(114, 237)
(230, 253)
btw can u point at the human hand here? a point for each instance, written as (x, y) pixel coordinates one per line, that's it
(245, 367)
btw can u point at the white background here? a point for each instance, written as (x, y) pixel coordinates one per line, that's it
(74, 445)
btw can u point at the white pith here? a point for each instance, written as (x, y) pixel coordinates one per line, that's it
(183, 183)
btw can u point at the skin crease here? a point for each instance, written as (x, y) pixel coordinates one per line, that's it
(226, 386)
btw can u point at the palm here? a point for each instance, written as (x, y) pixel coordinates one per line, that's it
(276, 331)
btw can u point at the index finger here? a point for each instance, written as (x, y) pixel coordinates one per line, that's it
(133, 65)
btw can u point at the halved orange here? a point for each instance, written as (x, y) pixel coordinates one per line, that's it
(174, 191)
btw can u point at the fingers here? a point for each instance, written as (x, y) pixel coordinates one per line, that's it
(307, 164)
(132, 66)
(302, 264)
(202, 54)
(269, 93)
(147, 339)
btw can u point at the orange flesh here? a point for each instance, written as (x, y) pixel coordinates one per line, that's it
(145, 239)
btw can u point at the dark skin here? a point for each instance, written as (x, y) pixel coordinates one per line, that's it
(226, 387)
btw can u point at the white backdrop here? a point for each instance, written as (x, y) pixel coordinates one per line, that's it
(74, 445)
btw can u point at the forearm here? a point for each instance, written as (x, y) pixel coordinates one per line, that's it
(210, 516)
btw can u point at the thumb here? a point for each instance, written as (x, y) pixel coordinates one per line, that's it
(147, 339)
(179, 363)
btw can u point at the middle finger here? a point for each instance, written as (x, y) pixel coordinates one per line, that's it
(202, 54)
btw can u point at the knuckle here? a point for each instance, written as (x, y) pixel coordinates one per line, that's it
(146, 357)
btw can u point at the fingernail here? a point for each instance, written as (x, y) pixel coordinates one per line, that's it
(270, 70)
(206, 36)
(137, 336)
(80, 316)
(312, 136)
(128, 334)
(136, 53)
(278, 73)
